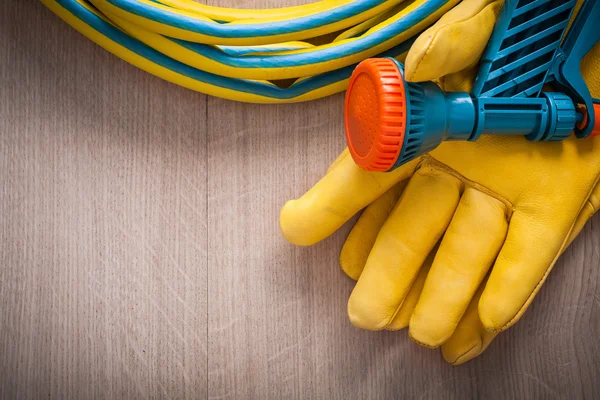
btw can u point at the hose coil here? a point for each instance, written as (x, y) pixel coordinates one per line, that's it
(280, 55)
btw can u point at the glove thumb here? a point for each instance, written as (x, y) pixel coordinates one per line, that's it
(341, 193)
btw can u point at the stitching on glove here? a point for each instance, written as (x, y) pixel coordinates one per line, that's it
(420, 343)
(435, 164)
(529, 299)
(393, 317)
(594, 197)
(463, 354)
(594, 203)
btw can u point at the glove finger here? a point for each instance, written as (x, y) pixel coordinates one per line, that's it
(402, 245)
(468, 250)
(340, 194)
(454, 43)
(470, 338)
(402, 318)
(359, 243)
(589, 209)
(532, 246)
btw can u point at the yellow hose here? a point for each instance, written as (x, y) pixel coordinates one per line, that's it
(241, 54)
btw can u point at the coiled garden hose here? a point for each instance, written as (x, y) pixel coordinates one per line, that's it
(279, 55)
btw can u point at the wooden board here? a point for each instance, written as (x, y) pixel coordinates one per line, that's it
(141, 255)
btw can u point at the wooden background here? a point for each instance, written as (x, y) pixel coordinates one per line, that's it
(141, 256)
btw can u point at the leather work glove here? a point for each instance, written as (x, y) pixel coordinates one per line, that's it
(455, 244)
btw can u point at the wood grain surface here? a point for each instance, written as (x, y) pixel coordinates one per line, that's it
(141, 255)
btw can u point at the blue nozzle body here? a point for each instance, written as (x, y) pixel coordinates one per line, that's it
(527, 50)
(435, 116)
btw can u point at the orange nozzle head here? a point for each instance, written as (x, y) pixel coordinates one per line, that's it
(375, 114)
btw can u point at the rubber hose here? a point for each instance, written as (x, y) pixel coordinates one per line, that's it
(244, 55)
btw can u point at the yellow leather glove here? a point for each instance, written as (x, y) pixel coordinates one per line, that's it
(501, 204)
